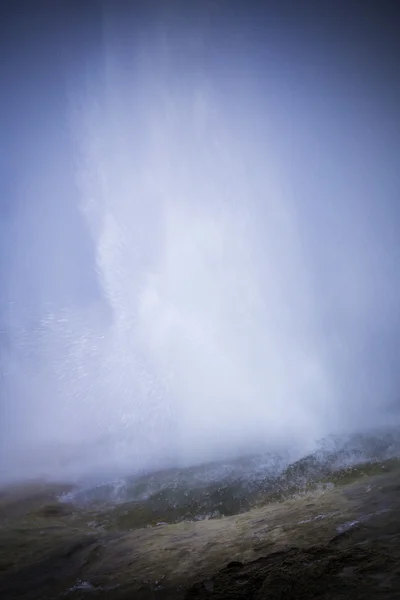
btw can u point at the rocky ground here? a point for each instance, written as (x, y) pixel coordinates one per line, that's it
(331, 540)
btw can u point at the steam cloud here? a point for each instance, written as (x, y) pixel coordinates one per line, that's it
(210, 274)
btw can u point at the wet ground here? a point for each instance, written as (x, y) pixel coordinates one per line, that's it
(333, 540)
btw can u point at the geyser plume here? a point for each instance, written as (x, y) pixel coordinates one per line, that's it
(207, 335)
(209, 342)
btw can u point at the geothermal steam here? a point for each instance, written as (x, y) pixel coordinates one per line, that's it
(206, 338)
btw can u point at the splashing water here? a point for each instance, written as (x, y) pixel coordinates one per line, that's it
(206, 340)
(208, 347)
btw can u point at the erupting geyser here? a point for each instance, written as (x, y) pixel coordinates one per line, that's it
(212, 276)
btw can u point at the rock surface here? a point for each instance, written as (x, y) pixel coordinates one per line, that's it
(329, 543)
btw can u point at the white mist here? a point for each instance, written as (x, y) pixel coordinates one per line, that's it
(214, 332)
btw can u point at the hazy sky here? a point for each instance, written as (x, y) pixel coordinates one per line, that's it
(229, 106)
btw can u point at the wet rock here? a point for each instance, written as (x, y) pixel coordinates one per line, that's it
(301, 574)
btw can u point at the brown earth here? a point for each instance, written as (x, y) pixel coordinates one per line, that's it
(326, 544)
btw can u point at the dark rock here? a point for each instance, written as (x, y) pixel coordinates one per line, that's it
(321, 572)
